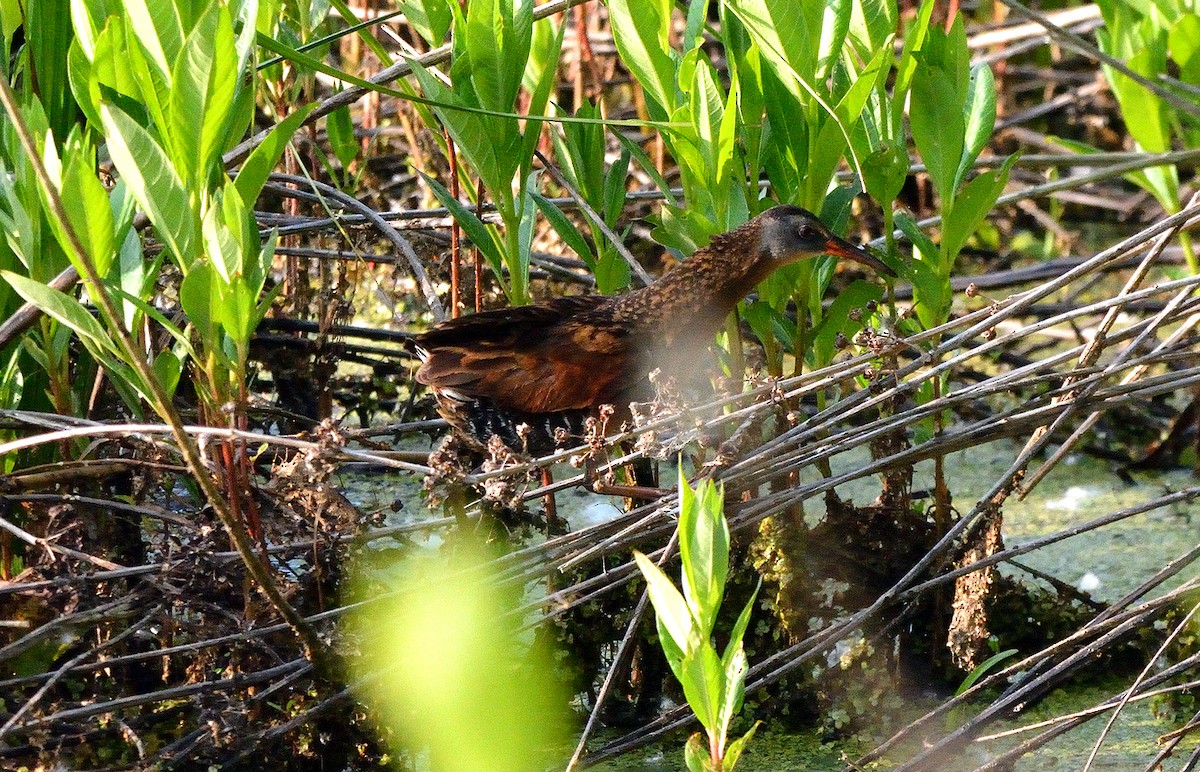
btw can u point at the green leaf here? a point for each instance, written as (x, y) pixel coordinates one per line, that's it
(769, 324)
(703, 684)
(837, 319)
(167, 369)
(135, 275)
(430, 18)
(580, 150)
(885, 171)
(221, 246)
(201, 301)
(261, 161)
(151, 178)
(836, 24)
(734, 669)
(642, 31)
(181, 340)
(635, 150)
(1183, 43)
(201, 95)
(976, 200)
(789, 35)
(734, 751)
(159, 31)
(541, 77)
(87, 205)
(914, 39)
(704, 549)
(669, 606)
(1141, 108)
(498, 37)
(739, 628)
(980, 118)
(491, 144)
(64, 309)
(931, 285)
(47, 40)
(872, 28)
(340, 130)
(476, 231)
(695, 752)
(614, 189)
(937, 128)
(983, 668)
(566, 230)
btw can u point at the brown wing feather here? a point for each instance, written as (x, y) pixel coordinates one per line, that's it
(536, 359)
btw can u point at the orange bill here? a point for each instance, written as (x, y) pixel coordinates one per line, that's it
(840, 248)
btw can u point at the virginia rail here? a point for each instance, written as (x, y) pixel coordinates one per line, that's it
(533, 375)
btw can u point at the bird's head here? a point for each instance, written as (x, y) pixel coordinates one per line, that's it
(790, 233)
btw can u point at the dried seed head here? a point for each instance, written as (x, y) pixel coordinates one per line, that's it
(872, 306)
(989, 333)
(856, 314)
(972, 290)
(840, 341)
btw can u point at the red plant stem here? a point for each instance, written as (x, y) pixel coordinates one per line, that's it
(478, 256)
(455, 249)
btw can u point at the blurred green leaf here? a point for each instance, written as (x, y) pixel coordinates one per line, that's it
(1183, 43)
(734, 751)
(695, 755)
(167, 369)
(445, 669)
(340, 130)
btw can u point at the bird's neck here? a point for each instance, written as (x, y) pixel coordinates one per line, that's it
(695, 297)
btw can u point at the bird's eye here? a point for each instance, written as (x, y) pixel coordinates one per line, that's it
(808, 232)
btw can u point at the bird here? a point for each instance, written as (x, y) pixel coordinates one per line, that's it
(533, 375)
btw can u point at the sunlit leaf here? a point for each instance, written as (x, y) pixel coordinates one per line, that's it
(642, 32)
(669, 605)
(980, 113)
(62, 308)
(151, 178)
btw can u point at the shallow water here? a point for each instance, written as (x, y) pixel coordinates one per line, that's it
(1106, 563)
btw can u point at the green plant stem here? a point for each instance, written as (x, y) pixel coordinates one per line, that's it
(314, 649)
(518, 279)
